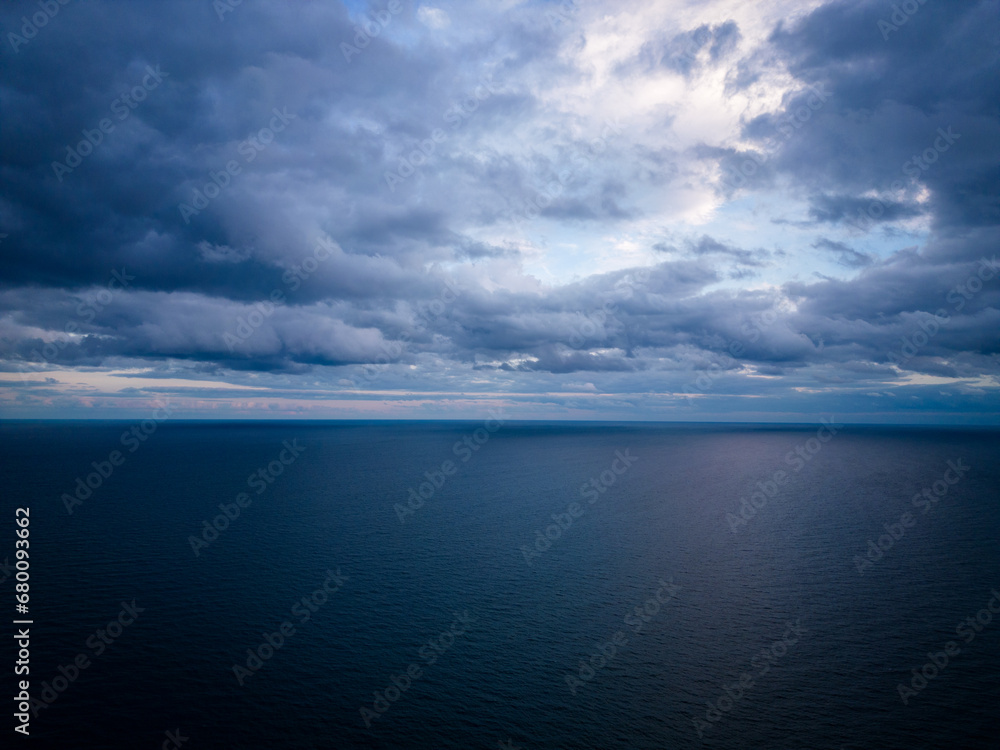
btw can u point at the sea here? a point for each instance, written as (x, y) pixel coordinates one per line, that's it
(499, 584)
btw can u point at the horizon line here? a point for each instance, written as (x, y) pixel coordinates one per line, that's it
(221, 420)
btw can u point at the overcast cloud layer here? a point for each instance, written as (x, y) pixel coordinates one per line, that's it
(774, 210)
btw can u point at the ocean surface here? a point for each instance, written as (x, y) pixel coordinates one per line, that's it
(556, 586)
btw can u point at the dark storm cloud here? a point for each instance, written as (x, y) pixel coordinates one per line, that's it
(841, 209)
(912, 110)
(220, 87)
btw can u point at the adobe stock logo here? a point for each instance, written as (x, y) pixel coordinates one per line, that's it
(736, 178)
(900, 15)
(368, 29)
(936, 663)
(211, 531)
(49, 10)
(87, 485)
(121, 108)
(249, 149)
(925, 500)
(225, 6)
(436, 478)
(913, 167)
(272, 642)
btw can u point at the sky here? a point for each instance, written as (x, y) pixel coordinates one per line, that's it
(775, 211)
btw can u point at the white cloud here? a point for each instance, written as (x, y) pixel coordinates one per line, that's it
(435, 18)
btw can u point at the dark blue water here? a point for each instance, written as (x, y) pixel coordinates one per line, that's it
(787, 599)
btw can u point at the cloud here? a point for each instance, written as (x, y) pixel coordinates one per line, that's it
(846, 256)
(686, 52)
(433, 17)
(570, 202)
